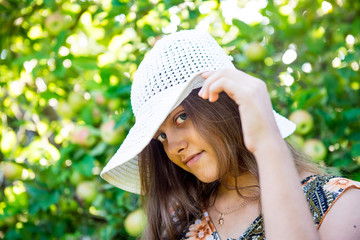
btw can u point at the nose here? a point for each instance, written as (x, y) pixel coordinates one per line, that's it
(176, 143)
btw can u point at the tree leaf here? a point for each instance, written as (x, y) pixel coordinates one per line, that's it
(355, 150)
(86, 165)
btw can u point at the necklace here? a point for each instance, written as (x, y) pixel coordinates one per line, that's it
(222, 214)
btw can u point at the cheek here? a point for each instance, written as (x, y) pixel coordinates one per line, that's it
(177, 162)
(173, 158)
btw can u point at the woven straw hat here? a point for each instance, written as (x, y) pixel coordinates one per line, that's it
(165, 77)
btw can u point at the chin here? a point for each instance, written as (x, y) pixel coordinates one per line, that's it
(207, 179)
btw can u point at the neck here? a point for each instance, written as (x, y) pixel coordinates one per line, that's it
(227, 194)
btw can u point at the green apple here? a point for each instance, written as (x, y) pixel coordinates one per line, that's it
(82, 136)
(8, 221)
(255, 51)
(316, 149)
(64, 109)
(338, 37)
(11, 170)
(54, 23)
(86, 191)
(114, 104)
(110, 134)
(303, 120)
(357, 159)
(296, 140)
(67, 204)
(76, 177)
(135, 222)
(8, 141)
(76, 101)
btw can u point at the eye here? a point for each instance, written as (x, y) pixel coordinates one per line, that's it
(161, 137)
(181, 118)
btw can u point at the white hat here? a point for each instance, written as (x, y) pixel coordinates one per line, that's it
(165, 77)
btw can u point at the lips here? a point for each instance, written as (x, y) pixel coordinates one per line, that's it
(190, 160)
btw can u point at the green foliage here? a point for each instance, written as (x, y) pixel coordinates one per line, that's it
(66, 70)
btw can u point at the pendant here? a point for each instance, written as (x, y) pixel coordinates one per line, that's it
(221, 219)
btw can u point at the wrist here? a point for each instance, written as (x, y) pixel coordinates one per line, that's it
(270, 142)
(272, 149)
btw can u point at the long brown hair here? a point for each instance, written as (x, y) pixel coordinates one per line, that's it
(172, 196)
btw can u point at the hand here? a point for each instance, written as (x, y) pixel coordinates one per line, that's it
(251, 95)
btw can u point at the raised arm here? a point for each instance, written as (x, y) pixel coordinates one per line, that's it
(285, 210)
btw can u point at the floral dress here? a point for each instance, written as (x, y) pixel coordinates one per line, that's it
(321, 193)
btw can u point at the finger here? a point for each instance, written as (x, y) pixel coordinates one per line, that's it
(227, 75)
(207, 74)
(241, 80)
(204, 75)
(223, 84)
(211, 77)
(238, 91)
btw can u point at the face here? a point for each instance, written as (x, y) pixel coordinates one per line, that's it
(186, 148)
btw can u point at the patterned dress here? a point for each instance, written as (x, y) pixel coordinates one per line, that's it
(321, 193)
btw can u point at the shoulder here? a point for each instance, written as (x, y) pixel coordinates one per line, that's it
(334, 204)
(326, 188)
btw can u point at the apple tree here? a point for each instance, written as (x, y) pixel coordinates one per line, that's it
(65, 76)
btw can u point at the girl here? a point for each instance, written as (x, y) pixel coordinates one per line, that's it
(208, 154)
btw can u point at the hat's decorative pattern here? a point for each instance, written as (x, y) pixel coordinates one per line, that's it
(174, 60)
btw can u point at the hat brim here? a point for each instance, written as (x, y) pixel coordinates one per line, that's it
(122, 170)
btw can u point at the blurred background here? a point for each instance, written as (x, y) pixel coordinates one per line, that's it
(65, 73)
